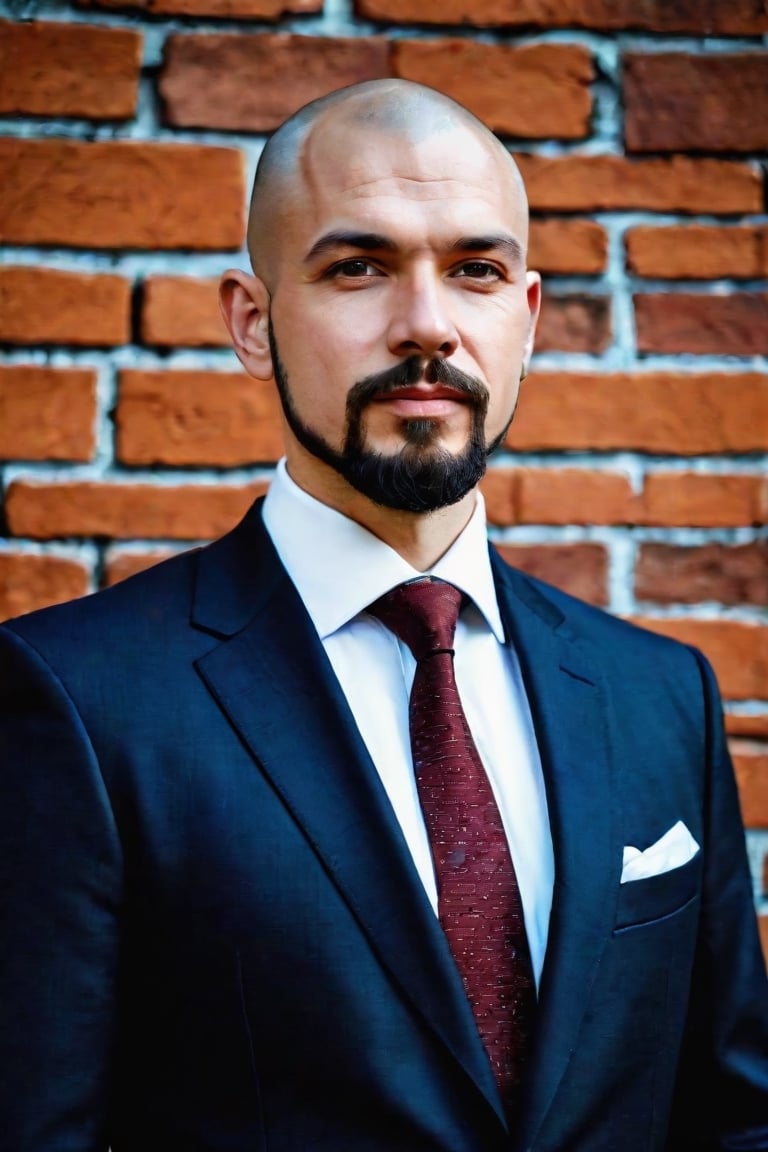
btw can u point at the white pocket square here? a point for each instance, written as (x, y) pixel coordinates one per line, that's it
(674, 849)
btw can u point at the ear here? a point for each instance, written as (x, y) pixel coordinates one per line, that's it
(244, 302)
(533, 292)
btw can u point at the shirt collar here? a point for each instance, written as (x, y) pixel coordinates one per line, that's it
(339, 567)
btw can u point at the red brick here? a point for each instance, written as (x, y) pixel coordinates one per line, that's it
(222, 9)
(674, 499)
(48, 306)
(177, 310)
(120, 565)
(754, 725)
(656, 412)
(580, 569)
(61, 69)
(736, 574)
(47, 413)
(121, 194)
(735, 325)
(751, 768)
(253, 82)
(568, 247)
(738, 652)
(575, 323)
(197, 418)
(737, 18)
(706, 103)
(540, 90)
(762, 923)
(613, 183)
(121, 511)
(28, 582)
(556, 496)
(698, 252)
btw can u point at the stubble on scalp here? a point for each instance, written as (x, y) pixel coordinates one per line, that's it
(399, 108)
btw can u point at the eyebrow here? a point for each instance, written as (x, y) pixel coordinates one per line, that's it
(376, 242)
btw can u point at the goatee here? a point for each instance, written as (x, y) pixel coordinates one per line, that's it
(422, 476)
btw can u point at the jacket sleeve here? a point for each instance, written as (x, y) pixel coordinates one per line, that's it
(60, 892)
(721, 1102)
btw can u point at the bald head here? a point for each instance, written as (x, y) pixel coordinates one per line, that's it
(398, 109)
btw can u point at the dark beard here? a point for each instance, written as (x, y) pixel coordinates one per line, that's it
(422, 476)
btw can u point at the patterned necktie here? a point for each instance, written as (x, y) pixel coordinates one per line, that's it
(478, 897)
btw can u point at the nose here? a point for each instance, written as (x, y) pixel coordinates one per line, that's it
(421, 321)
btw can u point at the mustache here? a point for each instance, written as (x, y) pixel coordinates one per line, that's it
(409, 372)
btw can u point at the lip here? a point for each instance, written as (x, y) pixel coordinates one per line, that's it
(423, 400)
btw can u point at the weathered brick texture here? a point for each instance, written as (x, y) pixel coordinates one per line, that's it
(738, 651)
(147, 511)
(581, 569)
(738, 17)
(121, 194)
(47, 413)
(177, 310)
(48, 306)
(728, 574)
(220, 9)
(57, 69)
(698, 252)
(575, 323)
(733, 325)
(713, 103)
(120, 565)
(197, 418)
(28, 582)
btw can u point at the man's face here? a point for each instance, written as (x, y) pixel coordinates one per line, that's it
(401, 313)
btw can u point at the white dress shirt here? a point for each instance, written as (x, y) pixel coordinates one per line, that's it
(339, 568)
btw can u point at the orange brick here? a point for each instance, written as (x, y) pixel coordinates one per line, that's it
(751, 767)
(253, 82)
(697, 500)
(60, 69)
(698, 252)
(197, 418)
(574, 323)
(738, 17)
(556, 496)
(762, 923)
(613, 183)
(121, 194)
(122, 511)
(550, 83)
(738, 651)
(735, 325)
(568, 247)
(120, 565)
(657, 412)
(47, 306)
(755, 725)
(177, 310)
(708, 103)
(28, 582)
(222, 9)
(47, 413)
(730, 574)
(579, 569)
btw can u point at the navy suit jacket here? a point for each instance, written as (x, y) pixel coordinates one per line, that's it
(212, 936)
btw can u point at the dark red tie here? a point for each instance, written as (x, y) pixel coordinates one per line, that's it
(478, 897)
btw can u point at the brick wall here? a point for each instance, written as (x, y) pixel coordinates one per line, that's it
(635, 472)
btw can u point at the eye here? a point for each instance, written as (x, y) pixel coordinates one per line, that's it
(478, 270)
(354, 268)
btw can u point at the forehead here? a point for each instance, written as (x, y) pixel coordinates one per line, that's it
(448, 177)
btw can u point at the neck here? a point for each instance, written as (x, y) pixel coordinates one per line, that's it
(421, 538)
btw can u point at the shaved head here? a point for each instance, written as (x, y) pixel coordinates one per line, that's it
(394, 108)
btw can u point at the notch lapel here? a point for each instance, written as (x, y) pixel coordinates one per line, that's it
(570, 718)
(272, 680)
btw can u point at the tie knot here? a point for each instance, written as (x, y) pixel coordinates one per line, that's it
(423, 613)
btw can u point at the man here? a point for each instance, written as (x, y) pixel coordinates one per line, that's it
(250, 901)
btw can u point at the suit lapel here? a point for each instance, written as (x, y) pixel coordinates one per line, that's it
(570, 719)
(271, 678)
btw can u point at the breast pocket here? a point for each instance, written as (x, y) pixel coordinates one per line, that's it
(658, 897)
